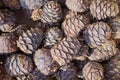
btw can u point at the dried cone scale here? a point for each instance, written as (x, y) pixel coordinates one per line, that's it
(32, 4)
(52, 37)
(102, 9)
(78, 5)
(18, 65)
(112, 68)
(67, 72)
(12, 4)
(30, 40)
(74, 25)
(65, 50)
(7, 21)
(104, 52)
(8, 43)
(93, 71)
(36, 14)
(97, 34)
(44, 62)
(51, 12)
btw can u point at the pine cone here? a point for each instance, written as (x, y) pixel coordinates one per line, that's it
(51, 13)
(8, 43)
(52, 37)
(30, 40)
(93, 71)
(115, 26)
(32, 4)
(78, 5)
(18, 65)
(102, 9)
(45, 62)
(67, 72)
(74, 25)
(12, 4)
(112, 68)
(65, 50)
(7, 21)
(97, 34)
(104, 52)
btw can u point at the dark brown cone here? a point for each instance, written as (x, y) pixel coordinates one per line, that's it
(7, 21)
(52, 37)
(44, 62)
(97, 33)
(112, 68)
(12, 4)
(18, 65)
(104, 52)
(30, 40)
(67, 72)
(101, 9)
(74, 25)
(93, 71)
(51, 13)
(65, 50)
(8, 43)
(78, 5)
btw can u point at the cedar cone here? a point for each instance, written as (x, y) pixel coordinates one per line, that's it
(44, 62)
(74, 25)
(102, 9)
(18, 65)
(51, 13)
(52, 37)
(93, 71)
(30, 40)
(97, 33)
(65, 50)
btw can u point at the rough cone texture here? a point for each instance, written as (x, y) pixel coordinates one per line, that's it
(78, 5)
(7, 21)
(93, 71)
(65, 50)
(97, 34)
(74, 25)
(44, 61)
(115, 25)
(8, 43)
(102, 9)
(112, 68)
(30, 40)
(51, 13)
(67, 72)
(52, 37)
(17, 65)
(32, 4)
(104, 52)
